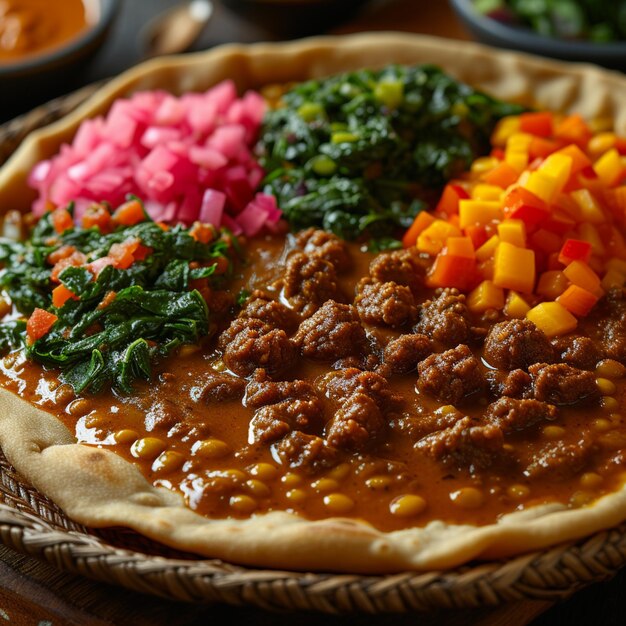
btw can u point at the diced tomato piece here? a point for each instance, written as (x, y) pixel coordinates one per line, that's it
(39, 324)
(62, 220)
(539, 124)
(97, 216)
(61, 294)
(204, 233)
(449, 202)
(95, 267)
(61, 253)
(123, 253)
(75, 259)
(575, 250)
(129, 213)
(142, 252)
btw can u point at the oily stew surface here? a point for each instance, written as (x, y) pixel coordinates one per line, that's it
(344, 386)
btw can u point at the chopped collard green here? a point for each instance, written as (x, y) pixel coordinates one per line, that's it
(110, 302)
(355, 152)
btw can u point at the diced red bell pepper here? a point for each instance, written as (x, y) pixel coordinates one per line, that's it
(575, 250)
(39, 324)
(539, 124)
(521, 204)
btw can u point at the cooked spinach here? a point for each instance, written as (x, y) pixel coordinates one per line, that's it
(355, 153)
(121, 319)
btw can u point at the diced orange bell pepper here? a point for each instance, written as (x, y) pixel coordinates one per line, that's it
(129, 213)
(39, 324)
(514, 268)
(574, 129)
(545, 241)
(460, 247)
(541, 148)
(420, 223)
(579, 273)
(552, 318)
(61, 294)
(477, 234)
(433, 238)
(552, 284)
(539, 124)
(479, 212)
(452, 271)
(62, 220)
(503, 176)
(577, 300)
(449, 201)
(488, 249)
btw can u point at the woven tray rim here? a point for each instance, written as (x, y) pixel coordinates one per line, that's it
(31, 524)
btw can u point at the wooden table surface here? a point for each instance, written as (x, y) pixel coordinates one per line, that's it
(34, 593)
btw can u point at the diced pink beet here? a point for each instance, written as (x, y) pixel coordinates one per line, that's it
(188, 158)
(232, 225)
(212, 207)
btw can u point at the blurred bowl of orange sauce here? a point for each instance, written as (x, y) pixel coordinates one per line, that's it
(43, 41)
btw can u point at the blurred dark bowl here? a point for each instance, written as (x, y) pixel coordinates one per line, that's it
(45, 75)
(495, 33)
(286, 19)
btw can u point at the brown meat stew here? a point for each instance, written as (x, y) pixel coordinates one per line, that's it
(345, 387)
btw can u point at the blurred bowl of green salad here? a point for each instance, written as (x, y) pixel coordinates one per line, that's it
(574, 30)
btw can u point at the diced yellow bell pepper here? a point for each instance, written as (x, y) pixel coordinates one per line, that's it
(543, 186)
(513, 231)
(588, 232)
(487, 250)
(609, 167)
(515, 306)
(482, 191)
(483, 164)
(600, 143)
(590, 209)
(506, 127)
(552, 318)
(433, 238)
(613, 279)
(566, 204)
(616, 264)
(552, 284)
(519, 142)
(517, 159)
(479, 212)
(485, 296)
(559, 167)
(579, 273)
(514, 268)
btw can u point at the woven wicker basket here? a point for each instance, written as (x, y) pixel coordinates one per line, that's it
(32, 524)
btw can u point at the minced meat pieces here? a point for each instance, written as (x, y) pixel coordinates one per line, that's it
(514, 384)
(309, 282)
(404, 353)
(467, 444)
(218, 387)
(560, 460)
(249, 343)
(451, 376)
(323, 245)
(580, 352)
(261, 391)
(307, 452)
(445, 319)
(357, 423)
(333, 332)
(563, 384)
(402, 267)
(517, 344)
(274, 313)
(614, 339)
(342, 384)
(385, 304)
(511, 414)
(271, 422)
